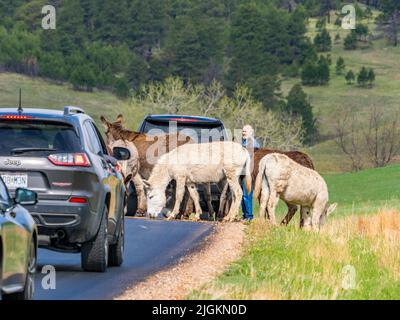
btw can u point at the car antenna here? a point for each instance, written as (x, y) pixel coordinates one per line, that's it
(20, 101)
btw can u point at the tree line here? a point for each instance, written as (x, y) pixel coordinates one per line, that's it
(122, 45)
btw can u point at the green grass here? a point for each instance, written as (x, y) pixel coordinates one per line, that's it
(328, 101)
(44, 94)
(287, 263)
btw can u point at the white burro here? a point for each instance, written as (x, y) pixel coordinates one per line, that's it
(279, 177)
(192, 164)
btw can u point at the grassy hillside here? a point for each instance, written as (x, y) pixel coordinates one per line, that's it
(355, 256)
(43, 94)
(329, 100)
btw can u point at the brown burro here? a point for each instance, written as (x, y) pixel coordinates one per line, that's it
(297, 156)
(149, 149)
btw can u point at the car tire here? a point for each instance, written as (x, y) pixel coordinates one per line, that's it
(29, 287)
(132, 202)
(94, 255)
(116, 251)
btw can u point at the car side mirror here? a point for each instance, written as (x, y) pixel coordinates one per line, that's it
(121, 153)
(25, 197)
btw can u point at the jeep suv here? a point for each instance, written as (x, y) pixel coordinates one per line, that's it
(200, 129)
(81, 196)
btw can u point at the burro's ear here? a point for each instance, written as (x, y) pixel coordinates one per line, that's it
(104, 122)
(331, 208)
(120, 118)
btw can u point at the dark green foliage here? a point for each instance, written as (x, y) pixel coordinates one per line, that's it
(251, 63)
(389, 20)
(363, 77)
(350, 77)
(114, 44)
(366, 77)
(350, 42)
(323, 41)
(83, 78)
(321, 23)
(371, 77)
(360, 34)
(298, 105)
(323, 70)
(121, 87)
(316, 73)
(340, 65)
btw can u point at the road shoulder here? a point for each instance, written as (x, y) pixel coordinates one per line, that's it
(216, 252)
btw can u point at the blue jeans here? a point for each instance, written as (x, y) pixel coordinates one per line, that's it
(247, 203)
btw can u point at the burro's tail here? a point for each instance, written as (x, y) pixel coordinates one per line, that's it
(247, 177)
(261, 180)
(257, 184)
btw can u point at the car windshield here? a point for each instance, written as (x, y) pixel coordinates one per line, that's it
(37, 137)
(200, 132)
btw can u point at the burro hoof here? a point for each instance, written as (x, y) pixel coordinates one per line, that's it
(170, 217)
(196, 218)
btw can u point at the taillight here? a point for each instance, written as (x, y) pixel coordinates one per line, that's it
(77, 200)
(15, 117)
(183, 120)
(69, 159)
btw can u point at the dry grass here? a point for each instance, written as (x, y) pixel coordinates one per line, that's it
(288, 263)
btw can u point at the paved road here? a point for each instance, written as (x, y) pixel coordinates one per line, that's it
(150, 246)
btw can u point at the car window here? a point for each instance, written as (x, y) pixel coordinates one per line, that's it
(198, 132)
(5, 201)
(37, 134)
(92, 138)
(102, 143)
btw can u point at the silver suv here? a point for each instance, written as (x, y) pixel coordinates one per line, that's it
(81, 196)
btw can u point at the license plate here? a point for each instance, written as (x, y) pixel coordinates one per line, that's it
(14, 181)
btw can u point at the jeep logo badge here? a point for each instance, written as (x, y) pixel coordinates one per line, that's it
(10, 162)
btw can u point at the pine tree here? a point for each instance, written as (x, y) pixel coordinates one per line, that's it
(323, 71)
(298, 105)
(340, 66)
(362, 78)
(350, 42)
(371, 77)
(350, 77)
(323, 41)
(121, 88)
(309, 74)
(252, 62)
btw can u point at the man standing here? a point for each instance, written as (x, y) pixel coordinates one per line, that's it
(251, 144)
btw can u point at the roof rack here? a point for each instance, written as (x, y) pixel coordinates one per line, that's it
(68, 110)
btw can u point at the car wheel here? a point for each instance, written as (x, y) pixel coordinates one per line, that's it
(94, 255)
(116, 252)
(29, 287)
(132, 202)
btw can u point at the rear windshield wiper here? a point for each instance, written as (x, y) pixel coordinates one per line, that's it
(25, 150)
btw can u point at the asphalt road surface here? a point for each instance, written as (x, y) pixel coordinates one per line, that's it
(150, 245)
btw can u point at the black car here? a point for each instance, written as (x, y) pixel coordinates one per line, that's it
(18, 245)
(81, 196)
(200, 129)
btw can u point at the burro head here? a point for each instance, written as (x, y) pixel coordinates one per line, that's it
(113, 129)
(328, 210)
(156, 200)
